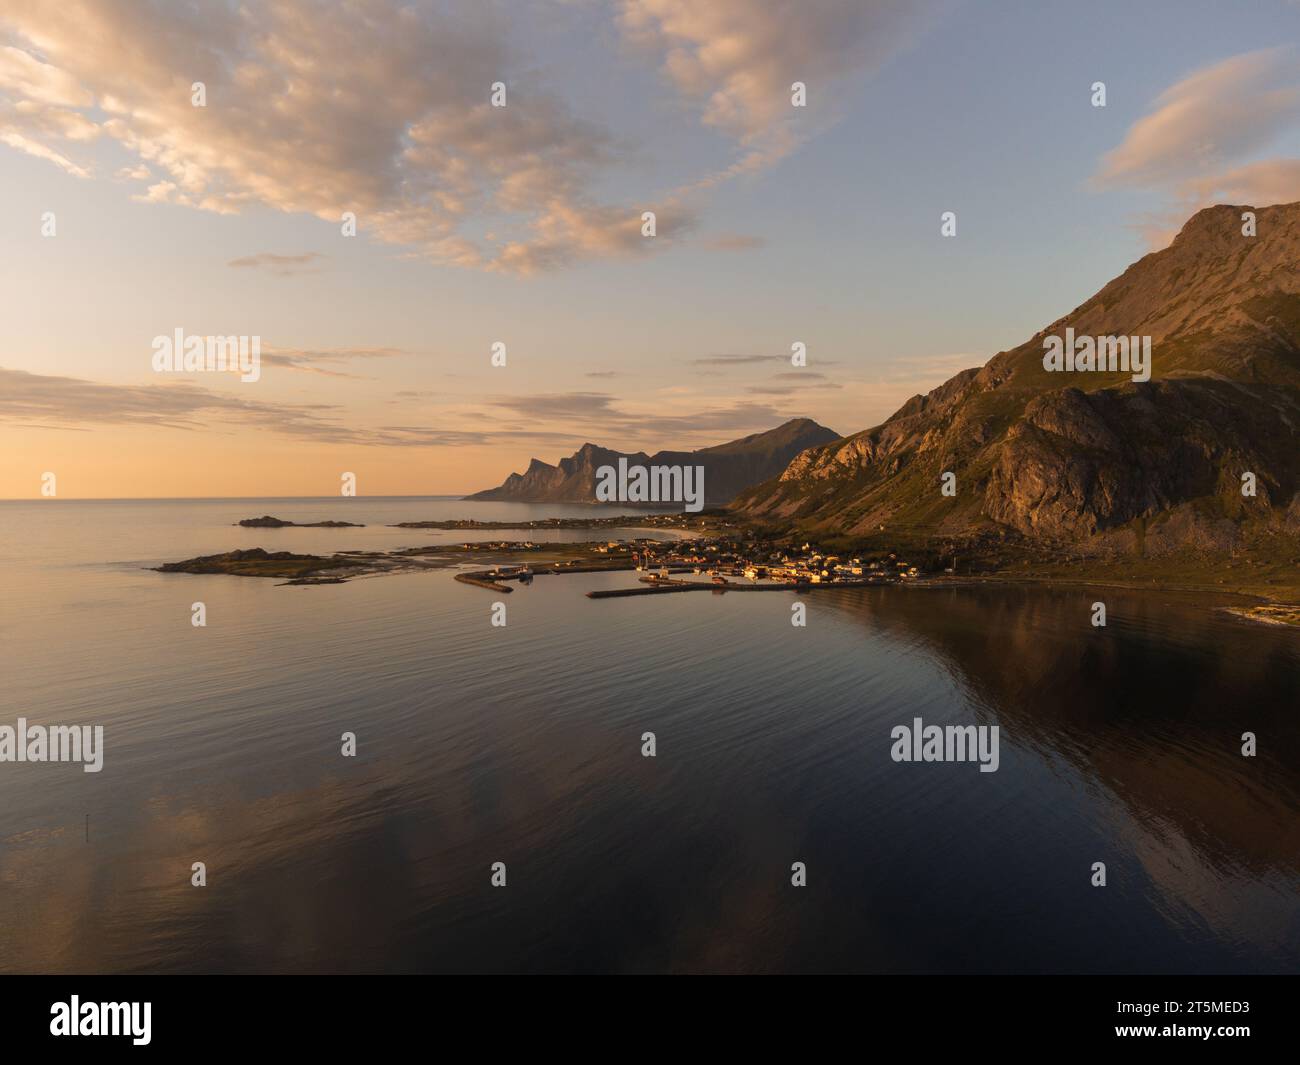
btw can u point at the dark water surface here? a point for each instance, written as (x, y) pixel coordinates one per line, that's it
(522, 745)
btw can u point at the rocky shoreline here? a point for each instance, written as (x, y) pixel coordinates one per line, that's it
(1269, 583)
(1268, 614)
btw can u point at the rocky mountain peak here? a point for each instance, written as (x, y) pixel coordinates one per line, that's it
(1089, 457)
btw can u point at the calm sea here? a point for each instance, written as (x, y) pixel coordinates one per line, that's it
(522, 745)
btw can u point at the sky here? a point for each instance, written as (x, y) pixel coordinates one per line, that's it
(129, 212)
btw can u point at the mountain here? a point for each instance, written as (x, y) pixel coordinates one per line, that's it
(728, 468)
(1092, 460)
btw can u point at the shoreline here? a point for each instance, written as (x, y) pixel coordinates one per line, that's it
(1270, 594)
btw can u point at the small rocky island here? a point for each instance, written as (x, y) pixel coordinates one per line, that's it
(268, 522)
(343, 565)
(258, 562)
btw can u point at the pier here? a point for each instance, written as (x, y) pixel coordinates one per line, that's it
(483, 580)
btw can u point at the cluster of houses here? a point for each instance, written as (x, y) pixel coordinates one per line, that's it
(807, 564)
(614, 547)
(722, 559)
(756, 562)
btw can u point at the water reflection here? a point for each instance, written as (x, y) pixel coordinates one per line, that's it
(522, 745)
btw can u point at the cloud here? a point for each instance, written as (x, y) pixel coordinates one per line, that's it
(702, 425)
(25, 144)
(1197, 142)
(377, 107)
(736, 60)
(72, 401)
(69, 403)
(736, 360)
(791, 388)
(792, 382)
(565, 233)
(600, 412)
(382, 108)
(51, 402)
(280, 265)
(310, 361)
(1215, 115)
(40, 82)
(586, 405)
(1260, 184)
(38, 105)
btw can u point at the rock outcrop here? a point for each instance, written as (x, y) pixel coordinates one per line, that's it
(1095, 458)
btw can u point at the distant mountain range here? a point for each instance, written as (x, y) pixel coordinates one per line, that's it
(1096, 460)
(728, 468)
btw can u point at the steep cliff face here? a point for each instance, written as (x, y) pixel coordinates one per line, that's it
(1082, 456)
(571, 481)
(728, 468)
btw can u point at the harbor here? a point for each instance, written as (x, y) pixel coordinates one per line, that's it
(728, 566)
(662, 586)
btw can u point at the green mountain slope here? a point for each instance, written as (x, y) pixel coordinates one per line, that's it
(1096, 460)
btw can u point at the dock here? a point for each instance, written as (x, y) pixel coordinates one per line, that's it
(653, 589)
(494, 581)
(481, 580)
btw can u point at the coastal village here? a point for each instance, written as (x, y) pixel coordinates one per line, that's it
(703, 554)
(709, 552)
(713, 547)
(727, 563)
(724, 560)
